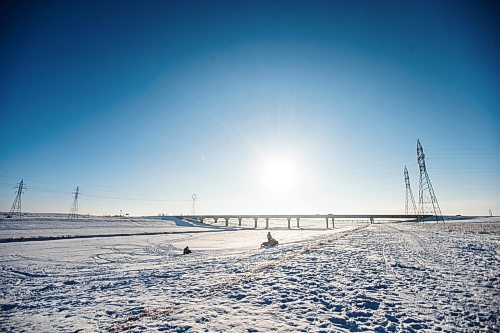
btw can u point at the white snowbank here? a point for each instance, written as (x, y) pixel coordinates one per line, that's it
(357, 277)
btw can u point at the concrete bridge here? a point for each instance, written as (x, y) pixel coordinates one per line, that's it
(297, 218)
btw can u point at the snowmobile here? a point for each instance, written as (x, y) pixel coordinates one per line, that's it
(270, 243)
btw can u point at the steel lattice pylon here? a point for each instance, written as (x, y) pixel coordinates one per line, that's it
(409, 196)
(74, 207)
(194, 196)
(427, 201)
(15, 210)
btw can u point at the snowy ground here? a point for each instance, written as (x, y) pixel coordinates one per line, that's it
(357, 277)
(60, 225)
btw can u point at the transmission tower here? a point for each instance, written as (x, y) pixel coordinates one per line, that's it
(427, 201)
(409, 195)
(16, 205)
(194, 200)
(73, 212)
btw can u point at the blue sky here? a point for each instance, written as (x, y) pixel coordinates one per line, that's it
(142, 104)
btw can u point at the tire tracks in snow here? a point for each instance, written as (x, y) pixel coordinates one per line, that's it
(260, 268)
(152, 314)
(413, 244)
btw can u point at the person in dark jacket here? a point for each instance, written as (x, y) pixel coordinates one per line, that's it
(186, 250)
(270, 241)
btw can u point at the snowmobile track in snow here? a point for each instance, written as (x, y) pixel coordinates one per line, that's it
(231, 282)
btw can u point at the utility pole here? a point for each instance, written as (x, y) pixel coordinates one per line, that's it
(73, 212)
(409, 195)
(16, 205)
(427, 201)
(194, 201)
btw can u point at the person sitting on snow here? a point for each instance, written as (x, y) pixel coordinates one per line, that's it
(186, 250)
(270, 241)
(270, 238)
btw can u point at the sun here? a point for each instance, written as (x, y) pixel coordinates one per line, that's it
(279, 174)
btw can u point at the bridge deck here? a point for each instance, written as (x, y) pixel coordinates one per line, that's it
(293, 216)
(298, 217)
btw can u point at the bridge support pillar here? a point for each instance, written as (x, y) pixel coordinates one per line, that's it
(215, 220)
(333, 222)
(298, 222)
(371, 220)
(227, 221)
(326, 222)
(239, 221)
(267, 222)
(255, 220)
(288, 219)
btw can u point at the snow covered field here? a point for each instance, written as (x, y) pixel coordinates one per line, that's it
(356, 277)
(60, 225)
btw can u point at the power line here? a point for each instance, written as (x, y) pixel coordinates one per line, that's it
(193, 197)
(15, 210)
(133, 199)
(409, 195)
(427, 201)
(74, 207)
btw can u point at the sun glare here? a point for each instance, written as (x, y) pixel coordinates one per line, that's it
(279, 174)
